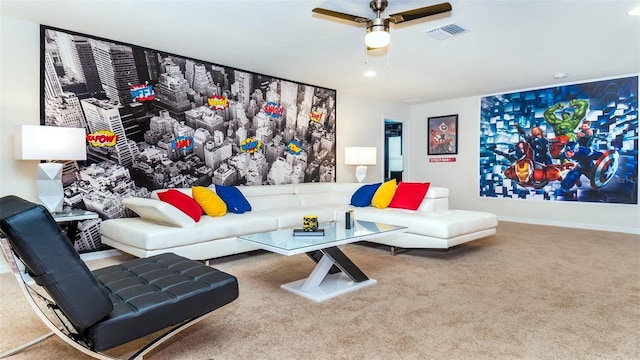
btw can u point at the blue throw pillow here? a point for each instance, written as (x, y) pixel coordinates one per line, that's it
(362, 197)
(236, 202)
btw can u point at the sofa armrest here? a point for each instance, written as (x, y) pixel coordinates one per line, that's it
(158, 212)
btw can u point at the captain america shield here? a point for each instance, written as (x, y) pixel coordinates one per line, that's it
(604, 169)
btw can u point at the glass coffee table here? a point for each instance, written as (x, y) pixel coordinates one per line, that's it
(335, 274)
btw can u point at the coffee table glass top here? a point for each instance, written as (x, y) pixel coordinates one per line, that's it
(284, 242)
(73, 215)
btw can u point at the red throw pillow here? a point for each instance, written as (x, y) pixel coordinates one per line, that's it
(409, 195)
(183, 202)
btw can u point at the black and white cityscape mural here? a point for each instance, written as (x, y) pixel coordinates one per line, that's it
(158, 120)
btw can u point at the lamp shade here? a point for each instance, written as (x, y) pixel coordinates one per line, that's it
(360, 155)
(35, 142)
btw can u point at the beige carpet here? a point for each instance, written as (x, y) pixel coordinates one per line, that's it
(529, 292)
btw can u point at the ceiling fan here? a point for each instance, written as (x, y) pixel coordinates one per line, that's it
(378, 28)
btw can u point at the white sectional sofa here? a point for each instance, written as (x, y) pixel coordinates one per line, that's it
(163, 228)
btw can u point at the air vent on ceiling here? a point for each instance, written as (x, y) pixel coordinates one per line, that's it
(445, 31)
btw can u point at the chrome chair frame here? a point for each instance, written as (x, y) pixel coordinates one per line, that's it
(65, 330)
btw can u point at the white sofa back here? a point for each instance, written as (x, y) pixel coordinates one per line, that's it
(270, 196)
(326, 193)
(437, 199)
(314, 194)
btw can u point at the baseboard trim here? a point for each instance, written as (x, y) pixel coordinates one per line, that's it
(564, 224)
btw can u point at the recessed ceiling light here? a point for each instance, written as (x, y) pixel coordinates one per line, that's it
(369, 73)
(413, 100)
(560, 75)
(635, 11)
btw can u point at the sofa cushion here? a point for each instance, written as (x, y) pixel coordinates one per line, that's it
(292, 216)
(236, 202)
(186, 191)
(363, 196)
(311, 188)
(322, 194)
(150, 236)
(266, 201)
(436, 192)
(209, 201)
(232, 225)
(250, 191)
(384, 194)
(158, 212)
(183, 202)
(445, 224)
(153, 293)
(409, 195)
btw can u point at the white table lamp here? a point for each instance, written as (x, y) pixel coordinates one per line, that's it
(35, 142)
(360, 156)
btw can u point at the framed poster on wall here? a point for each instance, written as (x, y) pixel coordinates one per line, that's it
(443, 135)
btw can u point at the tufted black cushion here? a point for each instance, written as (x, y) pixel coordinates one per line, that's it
(153, 293)
(53, 262)
(116, 304)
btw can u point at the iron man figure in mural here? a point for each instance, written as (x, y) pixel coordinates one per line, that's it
(530, 173)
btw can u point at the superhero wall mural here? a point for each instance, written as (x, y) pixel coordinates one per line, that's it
(157, 120)
(566, 143)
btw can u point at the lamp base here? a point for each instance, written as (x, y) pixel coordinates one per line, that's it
(49, 185)
(361, 173)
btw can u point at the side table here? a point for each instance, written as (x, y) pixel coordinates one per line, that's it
(72, 217)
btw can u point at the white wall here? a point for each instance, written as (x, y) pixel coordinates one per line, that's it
(361, 123)
(19, 101)
(462, 178)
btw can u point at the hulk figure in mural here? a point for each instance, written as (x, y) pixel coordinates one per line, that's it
(564, 126)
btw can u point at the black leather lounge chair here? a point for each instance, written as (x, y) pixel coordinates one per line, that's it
(101, 309)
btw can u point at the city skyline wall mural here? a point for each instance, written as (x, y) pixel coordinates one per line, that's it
(566, 143)
(159, 120)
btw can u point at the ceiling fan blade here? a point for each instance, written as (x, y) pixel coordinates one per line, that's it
(339, 15)
(420, 13)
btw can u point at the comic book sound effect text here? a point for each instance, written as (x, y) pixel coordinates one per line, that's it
(183, 143)
(142, 92)
(315, 116)
(217, 102)
(272, 109)
(102, 138)
(250, 145)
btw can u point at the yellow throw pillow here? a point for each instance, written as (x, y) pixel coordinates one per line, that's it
(209, 201)
(384, 194)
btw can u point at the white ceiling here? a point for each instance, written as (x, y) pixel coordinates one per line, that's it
(510, 45)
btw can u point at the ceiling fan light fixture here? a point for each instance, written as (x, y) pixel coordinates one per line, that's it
(377, 39)
(378, 34)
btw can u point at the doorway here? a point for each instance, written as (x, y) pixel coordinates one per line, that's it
(393, 161)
